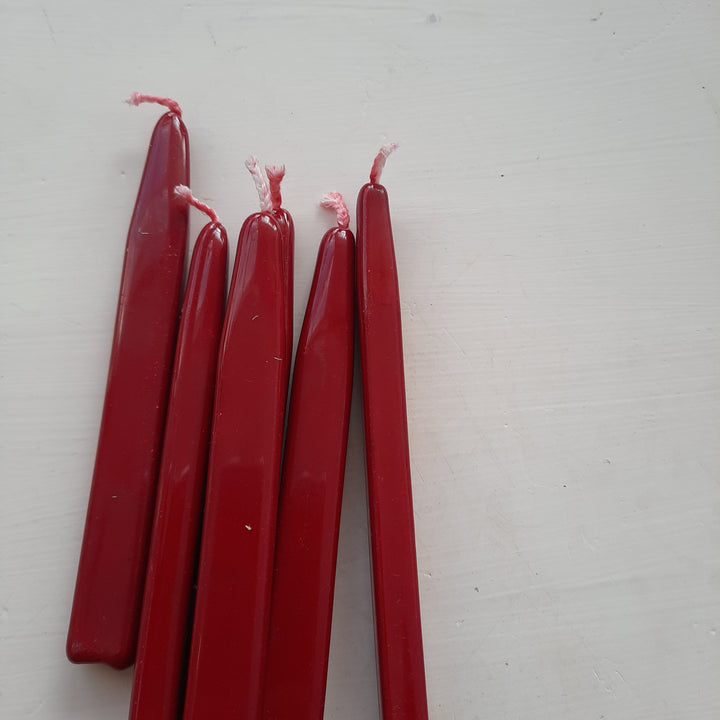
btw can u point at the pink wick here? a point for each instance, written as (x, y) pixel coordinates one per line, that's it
(253, 166)
(275, 174)
(138, 98)
(334, 201)
(379, 163)
(184, 193)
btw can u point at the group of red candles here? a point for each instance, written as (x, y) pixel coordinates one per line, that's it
(189, 488)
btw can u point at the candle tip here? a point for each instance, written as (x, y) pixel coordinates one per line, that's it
(261, 185)
(275, 174)
(334, 201)
(138, 98)
(380, 160)
(184, 193)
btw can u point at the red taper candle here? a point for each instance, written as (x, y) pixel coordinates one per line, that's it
(225, 671)
(311, 488)
(111, 572)
(270, 195)
(275, 175)
(392, 535)
(162, 642)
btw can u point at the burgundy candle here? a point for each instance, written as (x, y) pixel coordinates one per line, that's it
(111, 572)
(392, 535)
(225, 671)
(311, 488)
(175, 537)
(275, 175)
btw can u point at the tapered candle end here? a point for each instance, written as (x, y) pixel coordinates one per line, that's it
(138, 98)
(183, 192)
(334, 201)
(380, 160)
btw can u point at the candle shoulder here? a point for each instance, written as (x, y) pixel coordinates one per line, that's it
(167, 164)
(169, 124)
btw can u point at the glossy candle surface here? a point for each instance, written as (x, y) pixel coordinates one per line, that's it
(287, 228)
(392, 535)
(311, 490)
(111, 572)
(238, 537)
(175, 537)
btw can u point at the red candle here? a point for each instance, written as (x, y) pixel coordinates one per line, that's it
(232, 605)
(311, 488)
(275, 174)
(175, 535)
(392, 535)
(111, 572)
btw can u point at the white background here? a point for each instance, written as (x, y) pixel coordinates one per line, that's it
(556, 206)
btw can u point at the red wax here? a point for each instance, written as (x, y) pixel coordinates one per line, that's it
(225, 671)
(392, 535)
(111, 572)
(287, 228)
(175, 536)
(311, 490)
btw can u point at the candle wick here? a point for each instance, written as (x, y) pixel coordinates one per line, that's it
(334, 201)
(138, 98)
(379, 162)
(184, 193)
(261, 185)
(275, 175)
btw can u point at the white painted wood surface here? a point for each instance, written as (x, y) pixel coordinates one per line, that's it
(556, 209)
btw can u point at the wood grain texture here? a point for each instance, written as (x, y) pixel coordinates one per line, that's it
(557, 230)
